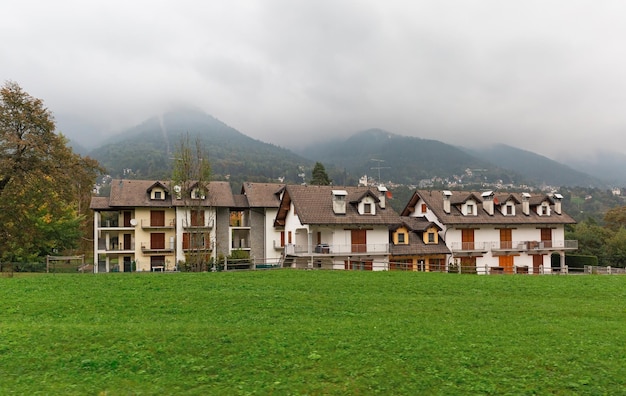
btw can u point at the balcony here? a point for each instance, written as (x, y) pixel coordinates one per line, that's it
(500, 248)
(199, 225)
(508, 247)
(337, 250)
(470, 248)
(114, 247)
(551, 246)
(168, 224)
(145, 249)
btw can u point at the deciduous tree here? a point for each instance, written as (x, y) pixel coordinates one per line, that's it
(44, 186)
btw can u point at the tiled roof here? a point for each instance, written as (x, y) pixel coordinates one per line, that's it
(262, 195)
(314, 205)
(241, 202)
(134, 193)
(434, 200)
(99, 203)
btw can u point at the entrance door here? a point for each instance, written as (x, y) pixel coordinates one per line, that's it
(546, 237)
(157, 240)
(359, 241)
(467, 239)
(157, 218)
(127, 262)
(537, 263)
(506, 262)
(506, 238)
(127, 218)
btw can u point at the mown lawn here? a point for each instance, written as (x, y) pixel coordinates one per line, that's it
(312, 332)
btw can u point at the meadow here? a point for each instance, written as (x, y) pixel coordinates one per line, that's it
(288, 332)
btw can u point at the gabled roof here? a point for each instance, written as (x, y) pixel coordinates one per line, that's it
(262, 195)
(136, 193)
(219, 194)
(434, 200)
(502, 199)
(314, 205)
(419, 224)
(357, 196)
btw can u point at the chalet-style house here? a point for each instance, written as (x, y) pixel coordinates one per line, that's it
(147, 225)
(335, 227)
(496, 233)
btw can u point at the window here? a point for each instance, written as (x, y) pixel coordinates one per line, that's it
(509, 210)
(367, 208)
(431, 237)
(470, 209)
(401, 237)
(424, 208)
(289, 237)
(157, 195)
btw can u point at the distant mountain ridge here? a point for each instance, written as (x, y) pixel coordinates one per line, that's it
(536, 168)
(146, 151)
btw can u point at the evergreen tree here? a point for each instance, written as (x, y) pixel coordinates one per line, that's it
(320, 177)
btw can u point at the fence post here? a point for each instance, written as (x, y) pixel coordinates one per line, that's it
(608, 270)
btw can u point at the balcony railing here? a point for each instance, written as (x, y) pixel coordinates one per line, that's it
(337, 249)
(146, 249)
(169, 223)
(514, 246)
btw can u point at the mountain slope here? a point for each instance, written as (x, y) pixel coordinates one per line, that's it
(401, 159)
(608, 165)
(536, 168)
(146, 150)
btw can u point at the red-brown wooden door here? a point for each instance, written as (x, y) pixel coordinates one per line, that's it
(467, 239)
(359, 241)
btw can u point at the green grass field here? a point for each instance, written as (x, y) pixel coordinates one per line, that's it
(290, 332)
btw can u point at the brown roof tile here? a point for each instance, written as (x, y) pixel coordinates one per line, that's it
(314, 205)
(262, 195)
(434, 200)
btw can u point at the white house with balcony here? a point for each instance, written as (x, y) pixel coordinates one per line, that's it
(335, 227)
(490, 232)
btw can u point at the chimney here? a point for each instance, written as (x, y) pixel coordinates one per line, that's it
(382, 195)
(557, 203)
(488, 203)
(446, 201)
(339, 201)
(526, 203)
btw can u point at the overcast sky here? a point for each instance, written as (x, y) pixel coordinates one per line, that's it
(546, 76)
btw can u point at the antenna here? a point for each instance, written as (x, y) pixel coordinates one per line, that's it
(379, 167)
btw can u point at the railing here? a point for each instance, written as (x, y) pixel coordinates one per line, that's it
(169, 223)
(470, 246)
(375, 248)
(149, 249)
(521, 246)
(207, 224)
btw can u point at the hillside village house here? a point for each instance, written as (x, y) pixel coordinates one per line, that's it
(496, 233)
(147, 225)
(335, 227)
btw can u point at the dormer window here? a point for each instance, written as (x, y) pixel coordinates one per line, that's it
(197, 193)
(510, 209)
(544, 209)
(367, 208)
(470, 209)
(401, 238)
(157, 195)
(431, 237)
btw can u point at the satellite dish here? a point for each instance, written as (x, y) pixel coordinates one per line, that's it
(133, 222)
(177, 189)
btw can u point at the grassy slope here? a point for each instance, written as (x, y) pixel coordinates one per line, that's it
(313, 332)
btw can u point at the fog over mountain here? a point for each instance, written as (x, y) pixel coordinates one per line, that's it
(542, 76)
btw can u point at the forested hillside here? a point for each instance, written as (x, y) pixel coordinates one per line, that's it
(145, 151)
